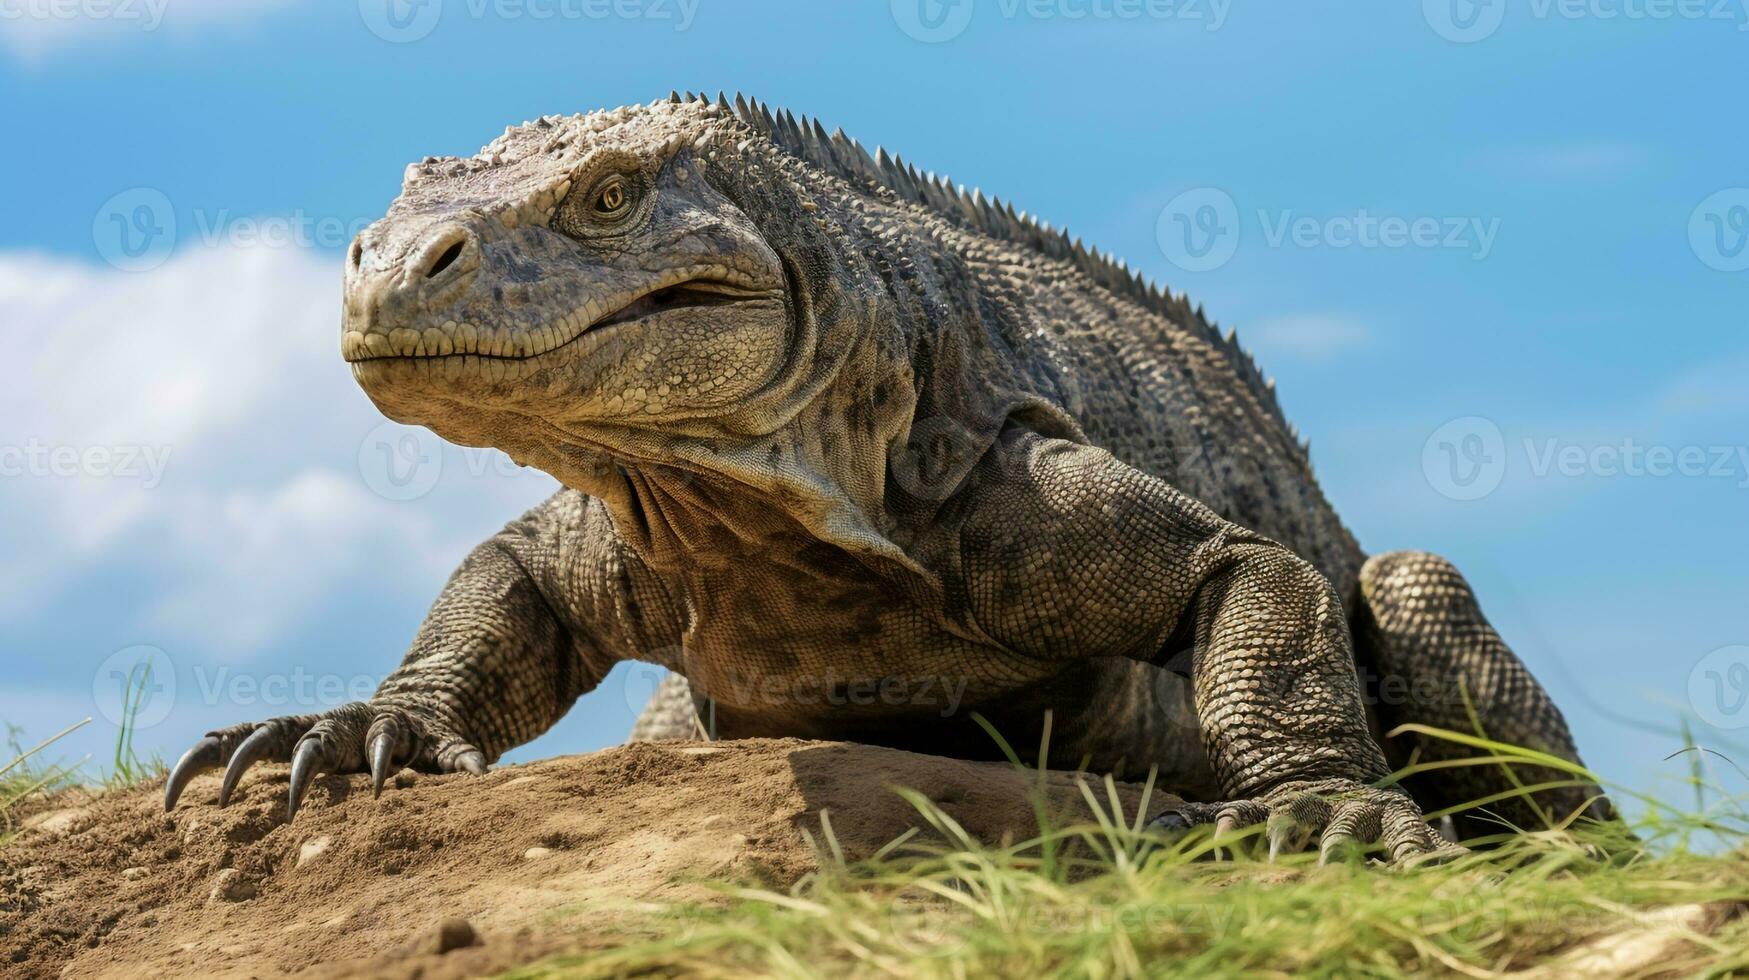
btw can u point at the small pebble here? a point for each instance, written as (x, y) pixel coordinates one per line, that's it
(405, 779)
(230, 886)
(536, 853)
(312, 849)
(133, 874)
(453, 933)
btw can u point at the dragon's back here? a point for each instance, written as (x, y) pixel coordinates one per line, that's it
(1139, 369)
(1149, 380)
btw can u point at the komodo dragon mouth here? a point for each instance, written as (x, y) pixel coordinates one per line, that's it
(680, 291)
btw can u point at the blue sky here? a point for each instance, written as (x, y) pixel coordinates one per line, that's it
(1527, 216)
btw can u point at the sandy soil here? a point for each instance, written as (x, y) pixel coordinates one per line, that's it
(453, 875)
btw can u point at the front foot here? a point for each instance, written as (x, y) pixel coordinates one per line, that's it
(370, 736)
(1342, 815)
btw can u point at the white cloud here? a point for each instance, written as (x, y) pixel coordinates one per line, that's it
(1715, 388)
(195, 426)
(1304, 337)
(1590, 161)
(36, 29)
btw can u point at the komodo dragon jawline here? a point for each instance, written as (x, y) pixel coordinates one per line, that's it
(830, 427)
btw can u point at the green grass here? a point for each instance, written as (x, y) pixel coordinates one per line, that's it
(29, 778)
(1108, 899)
(26, 777)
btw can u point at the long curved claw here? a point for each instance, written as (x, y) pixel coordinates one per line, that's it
(258, 746)
(308, 760)
(1226, 825)
(473, 760)
(1337, 846)
(1292, 822)
(381, 749)
(208, 753)
(1353, 825)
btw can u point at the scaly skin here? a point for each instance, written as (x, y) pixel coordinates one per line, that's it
(857, 455)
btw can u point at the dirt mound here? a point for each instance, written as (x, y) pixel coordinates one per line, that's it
(492, 871)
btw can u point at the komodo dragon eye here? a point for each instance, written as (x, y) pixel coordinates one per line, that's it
(611, 198)
(607, 207)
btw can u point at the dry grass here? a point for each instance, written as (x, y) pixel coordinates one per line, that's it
(1112, 900)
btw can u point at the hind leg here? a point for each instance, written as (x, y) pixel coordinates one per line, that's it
(672, 714)
(1421, 636)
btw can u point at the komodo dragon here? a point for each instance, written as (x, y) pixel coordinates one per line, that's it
(858, 454)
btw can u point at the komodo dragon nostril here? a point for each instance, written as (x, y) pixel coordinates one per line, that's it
(446, 259)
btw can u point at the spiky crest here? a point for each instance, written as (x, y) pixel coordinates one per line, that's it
(845, 158)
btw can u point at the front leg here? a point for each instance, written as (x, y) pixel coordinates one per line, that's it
(492, 667)
(1069, 553)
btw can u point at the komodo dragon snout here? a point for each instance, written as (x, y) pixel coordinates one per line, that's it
(608, 284)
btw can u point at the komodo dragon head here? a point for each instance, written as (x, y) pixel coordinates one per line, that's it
(665, 303)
